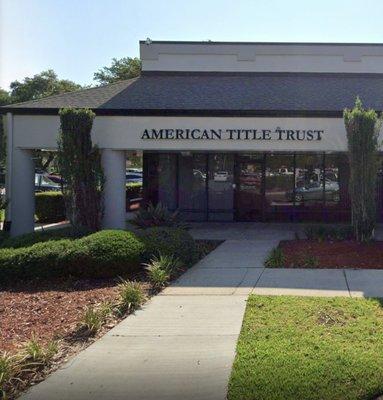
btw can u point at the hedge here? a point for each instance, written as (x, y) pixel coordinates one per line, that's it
(101, 255)
(30, 239)
(49, 207)
(169, 241)
(104, 254)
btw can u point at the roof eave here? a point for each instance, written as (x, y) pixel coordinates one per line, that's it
(183, 113)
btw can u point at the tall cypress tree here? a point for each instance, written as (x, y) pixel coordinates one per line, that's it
(362, 128)
(79, 163)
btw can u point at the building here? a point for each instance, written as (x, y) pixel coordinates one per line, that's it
(229, 131)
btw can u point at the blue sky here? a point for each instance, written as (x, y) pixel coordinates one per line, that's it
(77, 37)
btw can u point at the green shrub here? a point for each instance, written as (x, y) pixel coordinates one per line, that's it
(174, 242)
(100, 255)
(104, 254)
(329, 232)
(132, 296)
(50, 207)
(276, 259)
(30, 239)
(40, 260)
(79, 164)
(157, 215)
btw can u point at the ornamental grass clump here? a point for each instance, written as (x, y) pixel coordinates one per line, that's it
(132, 296)
(161, 269)
(276, 258)
(10, 368)
(158, 215)
(37, 353)
(94, 318)
(362, 128)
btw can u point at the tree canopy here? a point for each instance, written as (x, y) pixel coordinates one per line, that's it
(5, 98)
(120, 69)
(40, 85)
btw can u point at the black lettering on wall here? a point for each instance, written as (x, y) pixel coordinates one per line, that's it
(195, 133)
(215, 134)
(232, 134)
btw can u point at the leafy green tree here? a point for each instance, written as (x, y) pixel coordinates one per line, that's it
(362, 128)
(5, 97)
(41, 85)
(79, 164)
(120, 69)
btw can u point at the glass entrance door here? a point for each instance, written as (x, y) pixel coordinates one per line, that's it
(249, 191)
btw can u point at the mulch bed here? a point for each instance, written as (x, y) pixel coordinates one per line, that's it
(52, 310)
(333, 254)
(48, 311)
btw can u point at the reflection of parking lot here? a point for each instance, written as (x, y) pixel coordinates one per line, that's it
(314, 192)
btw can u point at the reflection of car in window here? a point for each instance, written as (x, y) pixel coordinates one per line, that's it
(314, 191)
(285, 171)
(44, 184)
(198, 174)
(133, 175)
(221, 176)
(250, 178)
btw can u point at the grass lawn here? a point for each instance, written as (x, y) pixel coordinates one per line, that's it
(309, 348)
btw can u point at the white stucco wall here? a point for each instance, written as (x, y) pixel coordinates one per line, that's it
(125, 133)
(261, 57)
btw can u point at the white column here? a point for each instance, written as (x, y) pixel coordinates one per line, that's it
(22, 192)
(114, 166)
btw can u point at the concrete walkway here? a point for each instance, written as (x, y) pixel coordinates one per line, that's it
(181, 345)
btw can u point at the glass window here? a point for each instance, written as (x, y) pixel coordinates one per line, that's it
(309, 190)
(279, 185)
(337, 199)
(336, 180)
(167, 177)
(192, 186)
(150, 177)
(221, 179)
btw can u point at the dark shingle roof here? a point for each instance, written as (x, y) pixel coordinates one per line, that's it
(175, 92)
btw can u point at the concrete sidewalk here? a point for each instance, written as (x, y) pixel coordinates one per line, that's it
(176, 347)
(236, 268)
(181, 345)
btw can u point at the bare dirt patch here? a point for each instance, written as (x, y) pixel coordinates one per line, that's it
(336, 254)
